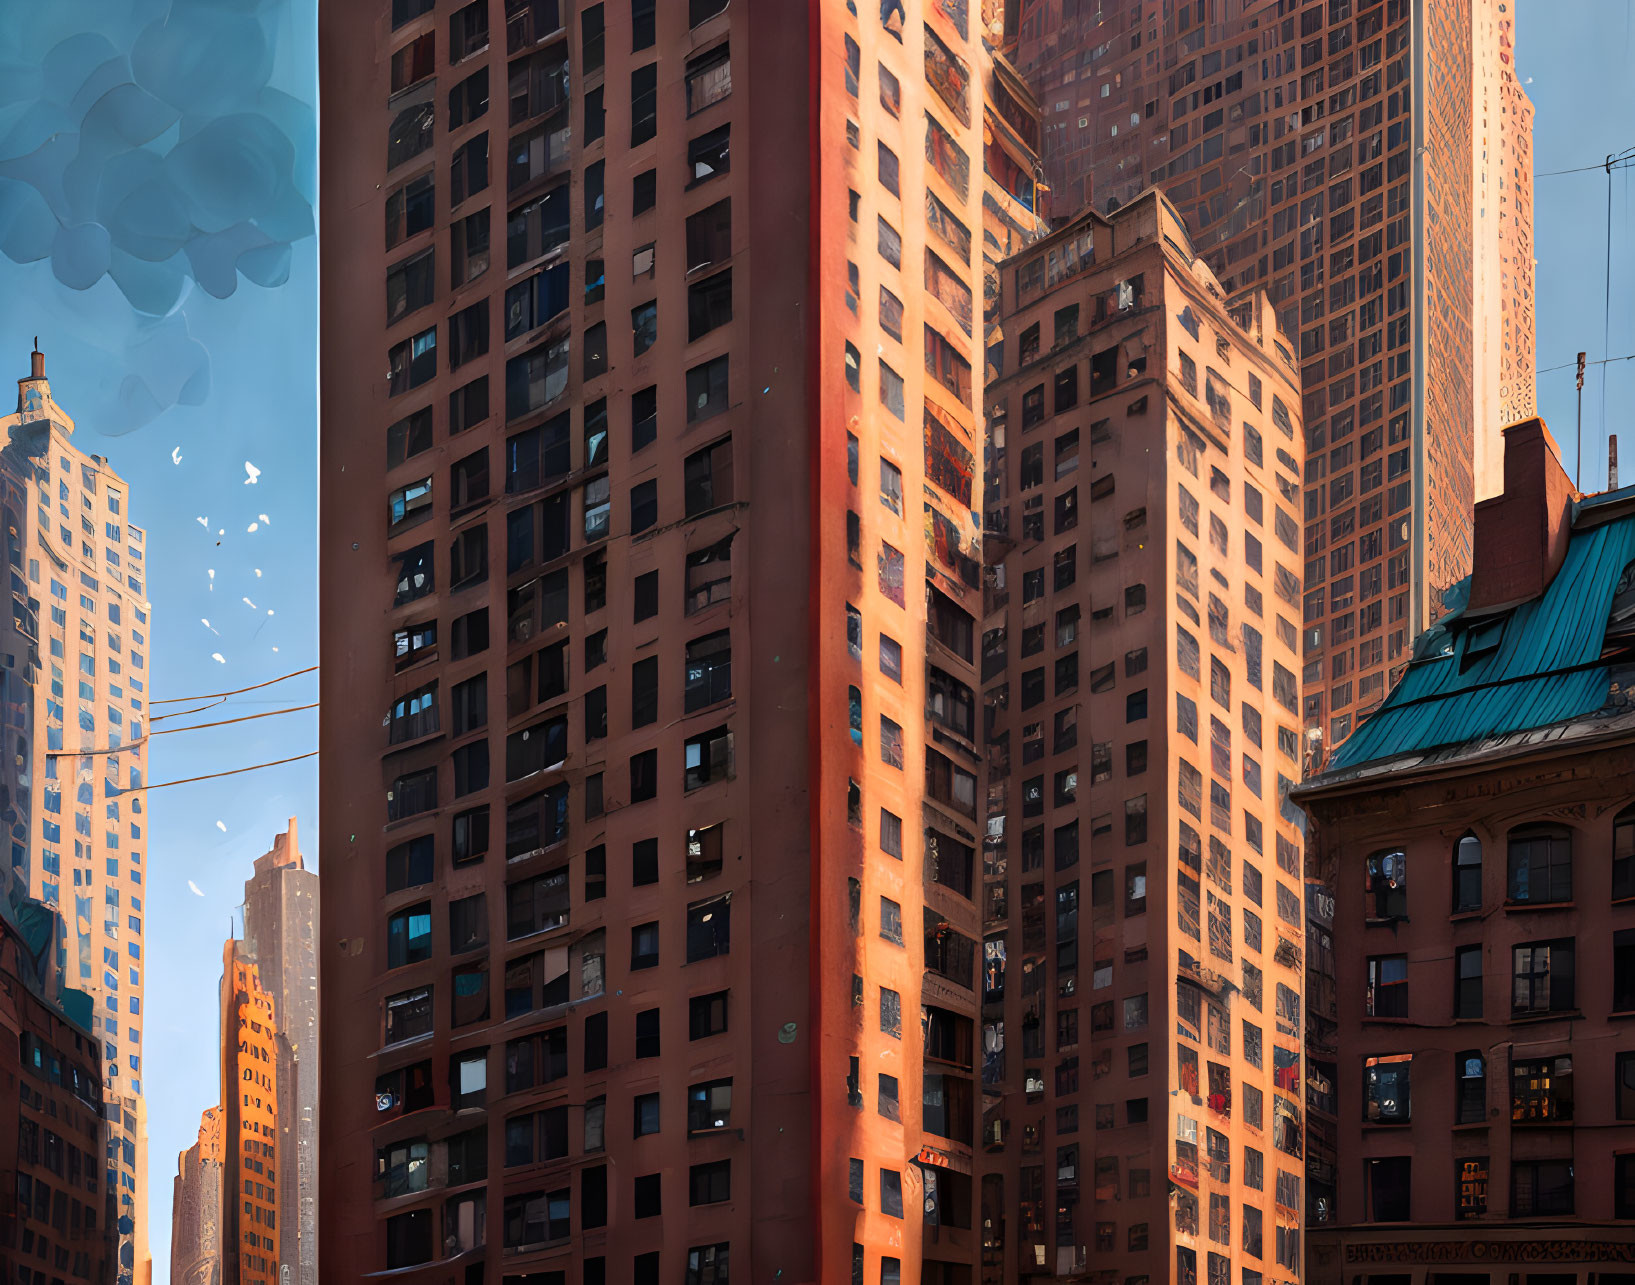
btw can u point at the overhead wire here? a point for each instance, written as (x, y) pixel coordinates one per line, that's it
(237, 691)
(235, 771)
(167, 731)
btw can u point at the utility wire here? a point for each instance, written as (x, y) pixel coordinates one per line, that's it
(1571, 365)
(236, 771)
(254, 687)
(166, 731)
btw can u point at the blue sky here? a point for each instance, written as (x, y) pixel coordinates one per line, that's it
(1578, 55)
(261, 407)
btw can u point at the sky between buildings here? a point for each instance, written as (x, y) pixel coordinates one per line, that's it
(261, 408)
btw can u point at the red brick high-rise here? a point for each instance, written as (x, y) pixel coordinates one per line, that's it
(1142, 870)
(1368, 164)
(650, 581)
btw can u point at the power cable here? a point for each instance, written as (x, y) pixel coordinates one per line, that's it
(181, 700)
(166, 731)
(236, 771)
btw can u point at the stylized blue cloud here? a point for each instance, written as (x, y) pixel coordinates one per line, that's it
(142, 142)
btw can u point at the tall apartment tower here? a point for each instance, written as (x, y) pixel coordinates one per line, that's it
(280, 935)
(650, 750)
(196, 1212)
(1141, 892)
(1336, 153)
(76, 644)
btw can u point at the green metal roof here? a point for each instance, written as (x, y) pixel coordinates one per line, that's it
(1535, 665)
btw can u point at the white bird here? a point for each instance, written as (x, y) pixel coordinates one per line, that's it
(258, 573)
(176, 458)
(218, 658)
(249, 604)
(264, 518)
(194, 888)
(222, 826)
(254, 527)
(253, 471)
(209, 626)
(204, 522)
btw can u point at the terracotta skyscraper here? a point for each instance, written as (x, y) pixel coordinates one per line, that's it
(651, 526)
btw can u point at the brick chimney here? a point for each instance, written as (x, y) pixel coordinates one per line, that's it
(1520, 537)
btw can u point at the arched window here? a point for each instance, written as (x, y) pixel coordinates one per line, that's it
(1623, 854)
(1386, 885)
(1467, 874)
(1540, 864)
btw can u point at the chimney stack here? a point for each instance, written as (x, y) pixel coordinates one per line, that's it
(37, 367)
(1520, 536)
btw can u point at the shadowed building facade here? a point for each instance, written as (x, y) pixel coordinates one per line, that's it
(56, 1205)
(196, 1212)
(1478, 835)
(1141, 871)
(650, 751)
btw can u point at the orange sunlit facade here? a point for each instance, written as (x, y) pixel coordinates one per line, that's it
(250, 1134)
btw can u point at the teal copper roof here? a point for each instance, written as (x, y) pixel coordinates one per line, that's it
(1537, 664)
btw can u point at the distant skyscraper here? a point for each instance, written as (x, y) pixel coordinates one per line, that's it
(196, 1215)
(1340, 155)
(280, 935)
(245, 1194)
(75, 682)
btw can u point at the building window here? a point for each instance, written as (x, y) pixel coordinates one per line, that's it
(408, 1015)
(1542, 978)
(1387, 986)
(709, 1184)
(1467, 874)
(1386, 886)
(1385, 1089)
(408, 936)
(1541, 1188)
(1471, 1071)
(1541, 1090)
(1389, 1189)
(1467, 982)
(1541, 864)
(709, 928)
(1471, 1196)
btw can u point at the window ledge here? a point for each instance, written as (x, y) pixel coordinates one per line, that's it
(1524, 906)
(1469, 1127)
(1622, 1012)
(1464, 916)
(1532, 1019)
(1382, 921)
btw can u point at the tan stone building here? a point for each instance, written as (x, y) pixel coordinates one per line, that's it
(1141, 883)
(76, 678)
(196, 1212)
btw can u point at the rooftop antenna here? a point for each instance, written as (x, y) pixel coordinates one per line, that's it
(1578, 456)
(1612, 462)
